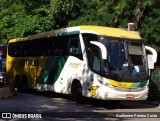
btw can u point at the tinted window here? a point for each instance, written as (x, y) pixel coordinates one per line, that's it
(89, 37)
(14, 49)
(3, 49)
(54, 46)
(94, 59)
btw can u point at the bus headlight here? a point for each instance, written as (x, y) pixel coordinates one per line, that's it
(146, 86)
(107, 84)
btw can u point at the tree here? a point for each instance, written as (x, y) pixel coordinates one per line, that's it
(21, 18)
(150, 28)
(64, 11)
(111, 13)
(18, 21)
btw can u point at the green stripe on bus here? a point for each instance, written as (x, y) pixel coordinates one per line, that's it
(69, 33)
(52, 69)
(143, 83)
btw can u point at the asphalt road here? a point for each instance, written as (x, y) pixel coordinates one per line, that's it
(51, 106)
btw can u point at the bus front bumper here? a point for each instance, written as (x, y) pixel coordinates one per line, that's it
(106, 93)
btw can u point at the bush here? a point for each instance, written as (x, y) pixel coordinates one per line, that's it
(154, 88)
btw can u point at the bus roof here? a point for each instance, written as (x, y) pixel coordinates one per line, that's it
(99, 30)
(110, 31)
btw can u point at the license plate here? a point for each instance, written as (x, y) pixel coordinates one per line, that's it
(129, 96)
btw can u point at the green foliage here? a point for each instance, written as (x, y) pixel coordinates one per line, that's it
(64, 11)
(18, 21)
(150, 28)
(6, 3)
(94, 12)
(8, 18)
(154, 92)
(21, 18)
(110, 13)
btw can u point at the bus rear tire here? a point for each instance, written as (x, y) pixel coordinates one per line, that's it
(24, 85)
(76, 91)
(17, 83)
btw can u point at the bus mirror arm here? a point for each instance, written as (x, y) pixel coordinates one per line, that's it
(101, 47)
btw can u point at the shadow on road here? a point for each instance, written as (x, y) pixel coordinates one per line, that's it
(102, 103)
(60, 107)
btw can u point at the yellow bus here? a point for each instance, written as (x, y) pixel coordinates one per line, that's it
(84, 61)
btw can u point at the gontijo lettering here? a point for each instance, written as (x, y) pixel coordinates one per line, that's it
(74, 65)
(24, 62)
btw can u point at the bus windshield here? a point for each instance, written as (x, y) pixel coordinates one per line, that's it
(124, 55)
(120, 50)
(116, 54)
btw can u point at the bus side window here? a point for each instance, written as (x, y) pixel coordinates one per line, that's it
(96, 63)
(73, 50)
(60, 46)
(14, 49)
(51, 49)
(74, 47)
(94, 60)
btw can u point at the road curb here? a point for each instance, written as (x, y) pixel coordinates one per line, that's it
(7, 92)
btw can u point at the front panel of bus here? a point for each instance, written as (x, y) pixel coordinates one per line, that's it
(124, 74)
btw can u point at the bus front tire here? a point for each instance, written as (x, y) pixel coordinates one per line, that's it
(76, 91)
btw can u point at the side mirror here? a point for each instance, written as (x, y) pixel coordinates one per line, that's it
(150, 61)
(101, 47)
(152, 58)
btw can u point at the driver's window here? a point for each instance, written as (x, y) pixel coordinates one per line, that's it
(96, 63)
(95, 60)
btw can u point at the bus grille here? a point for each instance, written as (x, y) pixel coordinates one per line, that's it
(128, 89)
